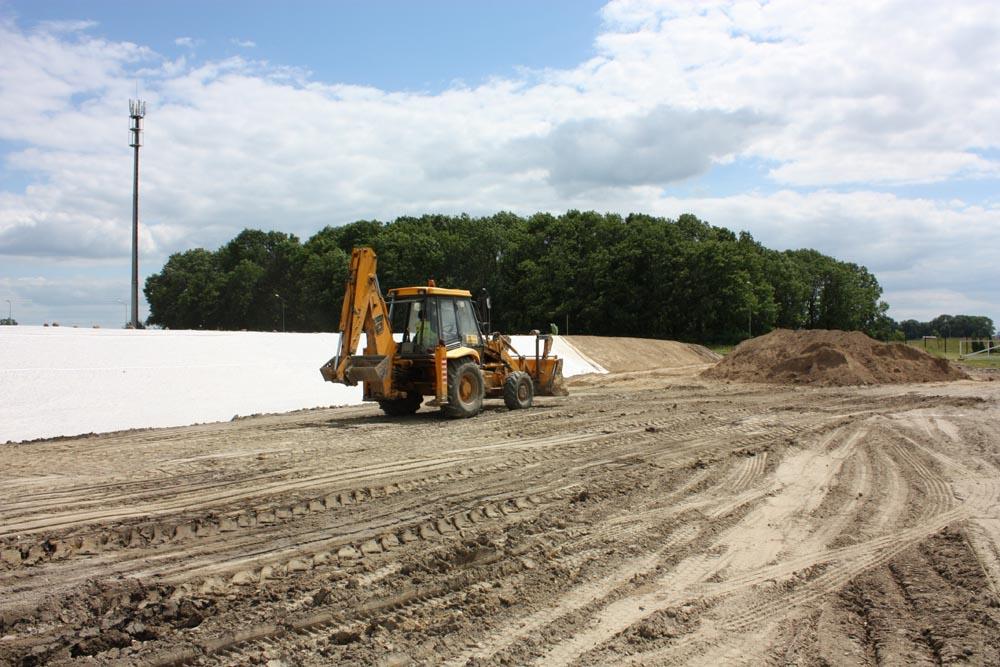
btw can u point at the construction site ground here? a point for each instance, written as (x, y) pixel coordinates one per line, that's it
(651, 517)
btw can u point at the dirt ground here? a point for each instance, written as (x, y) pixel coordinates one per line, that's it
(652, 517)
(830, 358)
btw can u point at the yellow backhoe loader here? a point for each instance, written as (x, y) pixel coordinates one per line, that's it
(428, 342)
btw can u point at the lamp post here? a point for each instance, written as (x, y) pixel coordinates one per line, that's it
(126, 310)
(10, 312)
(278, 297)
(750, 310)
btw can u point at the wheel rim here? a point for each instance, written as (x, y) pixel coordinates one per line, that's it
(522, 391)
(465, 389)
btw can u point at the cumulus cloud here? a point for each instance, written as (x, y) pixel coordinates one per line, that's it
(841, 101)
(888, 92)
(187, 42)
(659, 147)
(243, 43)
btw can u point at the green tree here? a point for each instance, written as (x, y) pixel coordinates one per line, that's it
(263, 274)
(635, 276)
(186, 293)
(324, 275)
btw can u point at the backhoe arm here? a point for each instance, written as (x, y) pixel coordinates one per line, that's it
(365, 310)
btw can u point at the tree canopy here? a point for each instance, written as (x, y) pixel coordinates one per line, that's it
(957, 326)
(603, 274)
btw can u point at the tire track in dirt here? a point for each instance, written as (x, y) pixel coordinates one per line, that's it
(839, 566)
(554, 535)
(801, 478)
(215, 583)
(180, 559)
(249, 488)
(895, 490)
(787, 592)
(575, 599)
(740, 475)
(937, 496)
(852, 480)
(574, 556)
(205, 496)
(229, 543)
(186, 526)
(448, 527)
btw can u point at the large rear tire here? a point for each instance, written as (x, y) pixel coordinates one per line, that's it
(465, 389)
(518, 391)
(402, 407)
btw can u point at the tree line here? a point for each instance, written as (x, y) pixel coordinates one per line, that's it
(949, 326)
(600, 274)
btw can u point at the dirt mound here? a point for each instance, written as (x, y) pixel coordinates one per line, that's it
(619, 355)
(823, 357)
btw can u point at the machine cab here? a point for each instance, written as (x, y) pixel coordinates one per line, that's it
(420, 316)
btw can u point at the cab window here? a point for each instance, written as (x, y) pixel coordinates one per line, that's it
(399, 318)
(449, 322)
(425, 326)
(417, 324)
(467, 326)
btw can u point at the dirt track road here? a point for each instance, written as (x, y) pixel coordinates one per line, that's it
(648, 518)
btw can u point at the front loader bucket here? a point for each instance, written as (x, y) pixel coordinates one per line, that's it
(548, 377)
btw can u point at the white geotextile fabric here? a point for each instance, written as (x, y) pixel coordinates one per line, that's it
(63, 381)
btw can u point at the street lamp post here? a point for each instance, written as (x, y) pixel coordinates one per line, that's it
(278, 297)
(750, 311)
(126, 310)
(10, 312)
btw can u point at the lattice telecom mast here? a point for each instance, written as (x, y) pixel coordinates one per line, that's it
(137, 111)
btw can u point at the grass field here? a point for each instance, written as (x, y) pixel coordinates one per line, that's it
(948, 348)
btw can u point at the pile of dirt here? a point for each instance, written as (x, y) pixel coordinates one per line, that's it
(620, 355)
(822, 357)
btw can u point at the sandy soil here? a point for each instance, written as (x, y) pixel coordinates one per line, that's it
(638, 354)
(651, 517)
(825, 357)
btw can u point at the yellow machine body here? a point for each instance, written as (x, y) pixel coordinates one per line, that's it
(428, 342)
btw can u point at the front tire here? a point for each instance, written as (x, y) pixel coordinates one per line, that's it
(465, 389)
(402, 407)
(518, 391)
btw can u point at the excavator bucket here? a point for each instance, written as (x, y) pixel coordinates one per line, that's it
(329, 369)
(548, 375)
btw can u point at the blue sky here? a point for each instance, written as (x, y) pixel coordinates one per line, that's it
(869, 132)
(390, 45)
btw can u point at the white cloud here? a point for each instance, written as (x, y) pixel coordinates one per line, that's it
(243, 43)
(188, 42)
(889, 92)
(662, 146)
(55, 27)
(847, 95)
